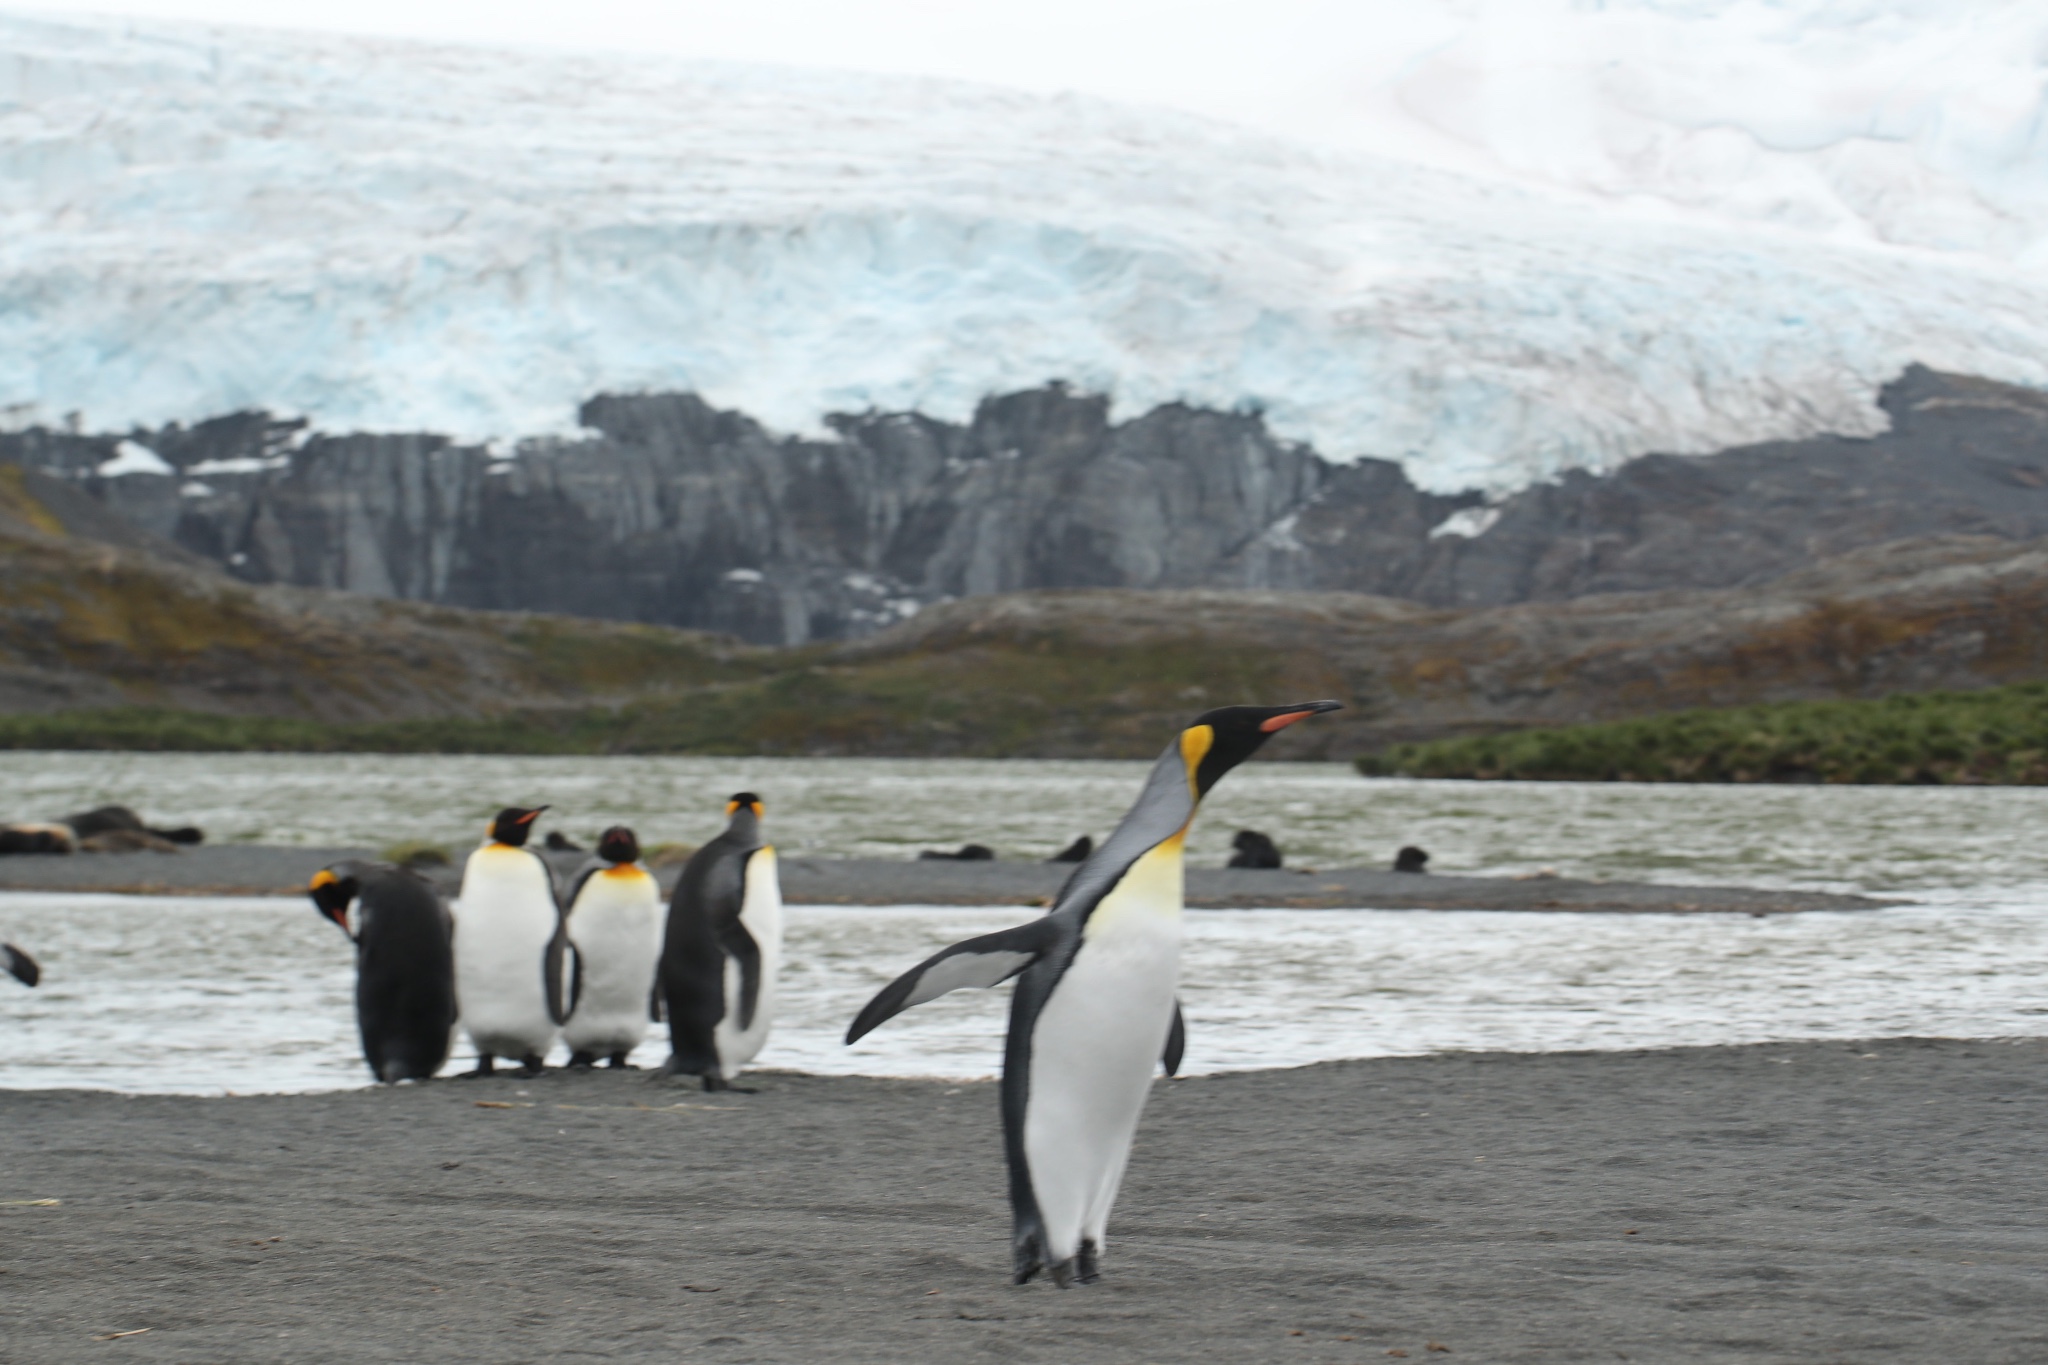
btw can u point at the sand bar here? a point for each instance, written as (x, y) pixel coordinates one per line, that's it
(254, 870)
(1831, 1202)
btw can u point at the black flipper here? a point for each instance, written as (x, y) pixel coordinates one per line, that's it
(20, 965)
(986, 961)
(1176, 1044)
(739, 945)
(563, 968)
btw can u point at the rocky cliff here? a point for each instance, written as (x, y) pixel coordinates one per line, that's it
(672, 512)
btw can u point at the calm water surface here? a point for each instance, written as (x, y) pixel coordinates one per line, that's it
(210, 994)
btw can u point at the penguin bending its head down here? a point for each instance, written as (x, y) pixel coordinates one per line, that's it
(722, 951)
(614, 920)
(405, 964)
(512, 974)
(1094, 1009)
(20, 965)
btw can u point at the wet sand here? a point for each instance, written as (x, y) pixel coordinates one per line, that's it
(254, 870)
(1810, 1203)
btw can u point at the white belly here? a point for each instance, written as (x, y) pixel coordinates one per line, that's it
(1095, 1047)
(616, 927)
(503, 922)
(761, 916)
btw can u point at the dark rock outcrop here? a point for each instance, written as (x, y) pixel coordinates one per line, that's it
(673, 512)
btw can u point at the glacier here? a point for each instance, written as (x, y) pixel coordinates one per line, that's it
(383, 235)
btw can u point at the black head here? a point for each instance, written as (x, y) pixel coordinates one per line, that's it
(744, 801)
(514, 823)
(332, 896)
(1219, 740)
(618, 845)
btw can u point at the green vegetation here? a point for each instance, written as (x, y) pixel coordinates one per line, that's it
(1993, 737)
(993, 697)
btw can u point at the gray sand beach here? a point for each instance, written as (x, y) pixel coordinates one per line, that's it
(1787, 1202)
(250, 869)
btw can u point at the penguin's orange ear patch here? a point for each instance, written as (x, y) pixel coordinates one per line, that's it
(322, 878)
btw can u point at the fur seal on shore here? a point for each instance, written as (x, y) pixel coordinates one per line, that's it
(1254, 850)
(967, 853)
(1094, 1010)
(121, 820)
(510, 948)
(405, 964)
(20, 965)
(37, 837)
(722, 950)
(614, 920)
(1076, 852)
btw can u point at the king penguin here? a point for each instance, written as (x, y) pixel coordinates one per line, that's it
(722, 951)
(615, 925)
(510, 948)
(405, 964)
(1094, 1010)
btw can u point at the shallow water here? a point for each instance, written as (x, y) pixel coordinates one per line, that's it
(205, 995)
(210, 994)
(1981, 840)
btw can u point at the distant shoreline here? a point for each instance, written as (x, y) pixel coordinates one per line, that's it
(265, 870)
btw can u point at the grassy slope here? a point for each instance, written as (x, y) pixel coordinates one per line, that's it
(1000, 699)
(1995, 736)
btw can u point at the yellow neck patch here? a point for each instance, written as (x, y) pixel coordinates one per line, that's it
(1195, 742)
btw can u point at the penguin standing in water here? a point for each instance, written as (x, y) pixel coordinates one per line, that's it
(1094, 1010)
(722, 950)
(615, 925)
(405, 964)
(510, 948)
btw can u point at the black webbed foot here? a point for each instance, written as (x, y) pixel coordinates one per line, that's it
(618, 1062)
(531, 1064)
(715, 1083)
(1062, 1272)
(485, 1065)
(1087, 1266)
(582, 1061)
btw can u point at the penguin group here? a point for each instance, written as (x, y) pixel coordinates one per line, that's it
(1094, 1012)
(519, 963)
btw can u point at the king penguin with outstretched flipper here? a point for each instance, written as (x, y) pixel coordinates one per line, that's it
(722, 951)
(512, 969)
(405, 964)
(615, 924)
(1094, 1009)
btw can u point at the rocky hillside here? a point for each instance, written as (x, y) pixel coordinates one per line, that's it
(99, 614)
(672, 512)
(94, 630)
(1960, 613)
